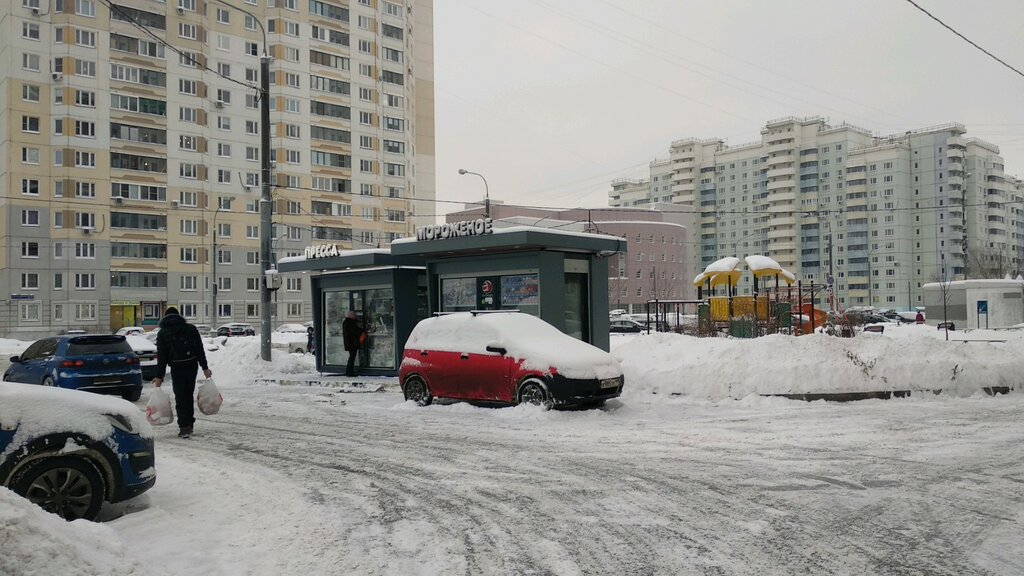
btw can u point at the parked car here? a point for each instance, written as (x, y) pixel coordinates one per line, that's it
(505, 357)
(236, 329)
(103, 363)
(131, 331)
(74, 332)
(625, 326)
(68, 451)
(292, 337)
(204, 329)
(146, 351)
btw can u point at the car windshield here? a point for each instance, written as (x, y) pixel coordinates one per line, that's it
(92, 345)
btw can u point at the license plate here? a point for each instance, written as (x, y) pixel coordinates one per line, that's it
(610, 382)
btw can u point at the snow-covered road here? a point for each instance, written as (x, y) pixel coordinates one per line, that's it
(306, 481)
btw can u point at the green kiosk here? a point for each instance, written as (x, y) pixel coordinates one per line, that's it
(561, 277)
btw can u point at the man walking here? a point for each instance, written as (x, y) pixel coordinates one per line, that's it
(179, 345)
(352, 334)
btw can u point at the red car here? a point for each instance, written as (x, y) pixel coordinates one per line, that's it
(505, 357)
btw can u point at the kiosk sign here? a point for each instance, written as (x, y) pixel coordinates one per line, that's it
(478, 227)
(322, 251)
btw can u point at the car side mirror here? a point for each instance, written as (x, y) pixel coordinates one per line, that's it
(498, 349)
(15, 359)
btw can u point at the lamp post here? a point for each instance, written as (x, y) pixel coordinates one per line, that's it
(487, 192)
(216, 256)
(265, 200)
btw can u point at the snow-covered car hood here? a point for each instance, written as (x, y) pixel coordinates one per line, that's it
(539, 345)
(39, 410)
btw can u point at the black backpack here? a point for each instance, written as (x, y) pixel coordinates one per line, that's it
(182, 345)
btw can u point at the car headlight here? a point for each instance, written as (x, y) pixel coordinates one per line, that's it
(122, 423)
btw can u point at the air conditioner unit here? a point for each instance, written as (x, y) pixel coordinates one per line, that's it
(219, 104)
(35, 11)
(87, 231)
(174, 203)
(118, 200)
(180, 10)
(57, 75)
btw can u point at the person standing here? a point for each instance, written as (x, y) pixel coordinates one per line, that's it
(352, 334)
(310, 341)
(179, 345)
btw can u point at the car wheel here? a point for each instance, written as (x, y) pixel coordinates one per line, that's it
(298, 351)
(415, 389)
(69, 487)
(133, 396)
(533, 392)
(48, 381)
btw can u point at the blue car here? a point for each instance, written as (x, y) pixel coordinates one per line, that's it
(103, 363)
(68, 451)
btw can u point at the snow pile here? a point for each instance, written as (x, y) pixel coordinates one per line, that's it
(38, 410)
(35, 542)
(538, 344)
(10, 347)
(238, 363)
(718, 368)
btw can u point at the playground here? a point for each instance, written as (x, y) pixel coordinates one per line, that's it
(780, 304)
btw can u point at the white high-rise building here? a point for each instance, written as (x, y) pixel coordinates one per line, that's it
(882, 215)
(130, 150)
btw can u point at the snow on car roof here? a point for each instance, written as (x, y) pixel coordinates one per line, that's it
(539, 344)
(140, 343)
(39, 410)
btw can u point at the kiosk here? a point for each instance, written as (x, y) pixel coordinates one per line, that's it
(561, 277)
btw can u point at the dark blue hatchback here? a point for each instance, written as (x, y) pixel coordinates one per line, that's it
(69, 451)
(103, 363)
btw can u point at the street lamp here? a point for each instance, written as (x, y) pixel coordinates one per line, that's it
(216, 256)
(265, 200)
(487, 192)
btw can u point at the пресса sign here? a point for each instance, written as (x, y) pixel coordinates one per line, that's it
(477, 227)
(322, 251)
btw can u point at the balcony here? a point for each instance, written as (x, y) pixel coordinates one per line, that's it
(783, 219)
(777, 147)
(780, 184)
(781, 172)
(779, 158)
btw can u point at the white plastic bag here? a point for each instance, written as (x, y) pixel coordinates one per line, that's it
(209, 398)
(158, 410)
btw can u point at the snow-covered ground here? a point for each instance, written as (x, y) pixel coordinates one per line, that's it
(677, 477)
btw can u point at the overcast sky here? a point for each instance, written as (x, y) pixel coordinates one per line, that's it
(553, 99)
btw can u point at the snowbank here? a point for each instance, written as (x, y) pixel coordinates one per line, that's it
(10, 347)
(910, 358)
(34, 542)
(238, 363)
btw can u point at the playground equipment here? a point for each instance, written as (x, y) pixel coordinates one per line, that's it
(772, 307)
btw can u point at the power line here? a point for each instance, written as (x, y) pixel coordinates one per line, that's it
(965, 38)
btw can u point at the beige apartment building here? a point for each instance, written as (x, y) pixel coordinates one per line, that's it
(130, 159)
(881, 215)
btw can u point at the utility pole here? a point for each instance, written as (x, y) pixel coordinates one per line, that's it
(265, 204)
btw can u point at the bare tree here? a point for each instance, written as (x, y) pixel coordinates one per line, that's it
(944, 287)
(992, 262)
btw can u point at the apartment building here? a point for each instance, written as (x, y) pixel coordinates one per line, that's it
(878, 215)
(659, 262)
(130, 150)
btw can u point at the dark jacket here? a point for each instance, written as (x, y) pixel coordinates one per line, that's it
(171, 326)
(351, 332)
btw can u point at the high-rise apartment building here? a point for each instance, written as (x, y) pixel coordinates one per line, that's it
(880, 215)
(130, 150)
